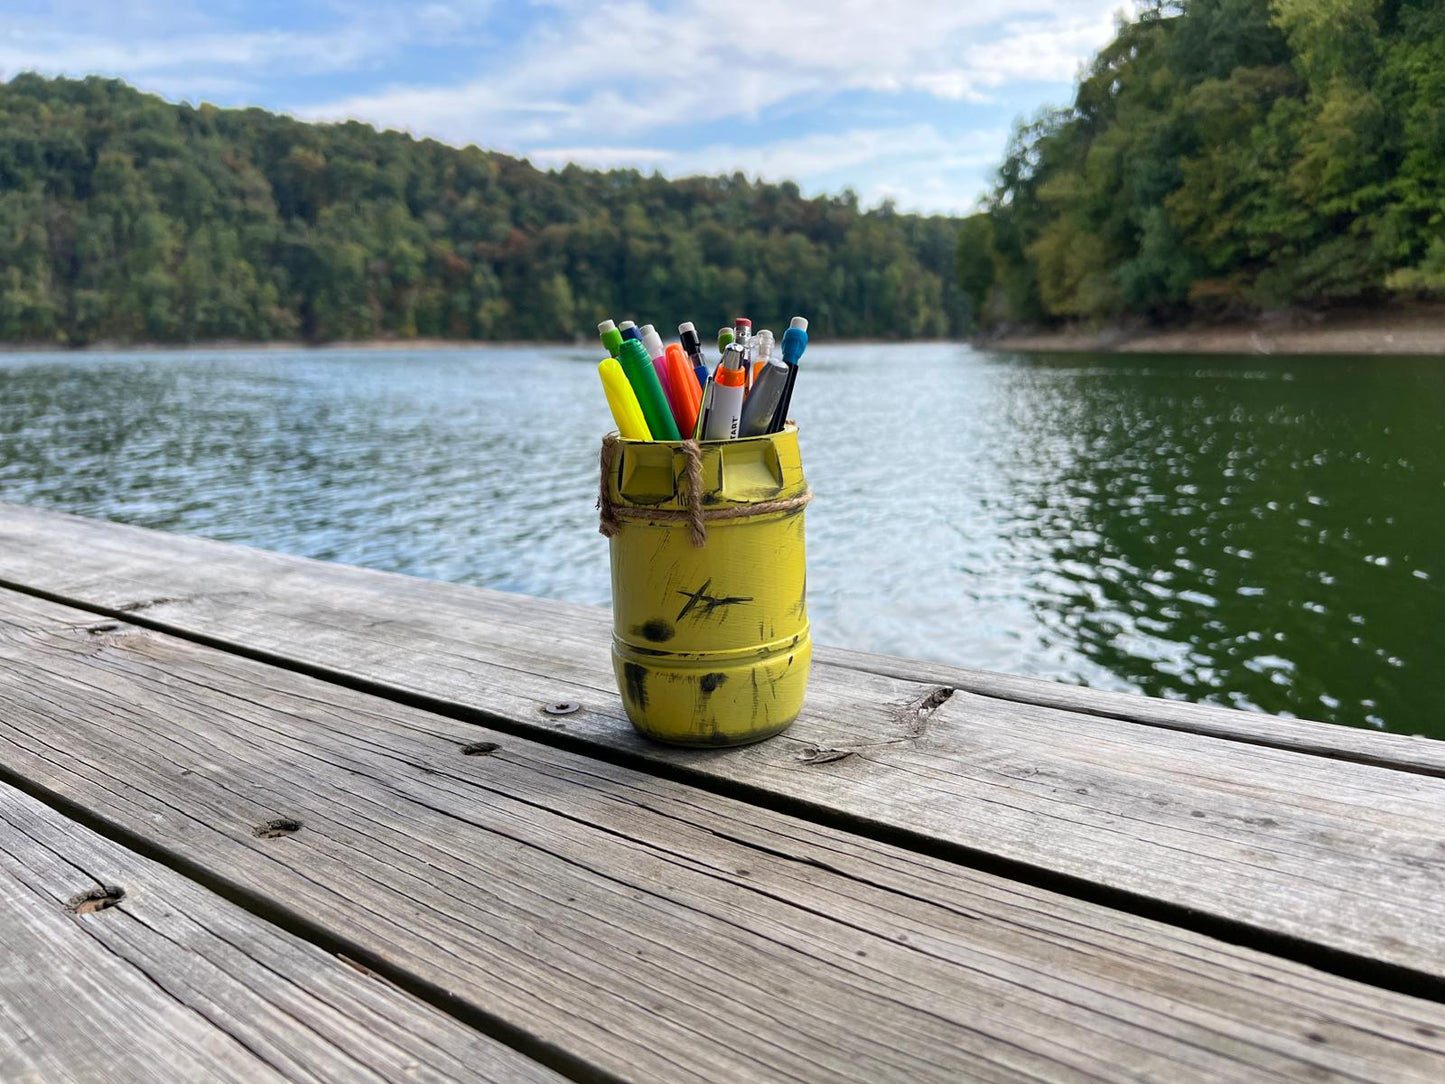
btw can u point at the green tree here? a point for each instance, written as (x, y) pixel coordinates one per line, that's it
(125, 218)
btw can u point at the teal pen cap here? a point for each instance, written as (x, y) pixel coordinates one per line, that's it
(610, 336)
(643, 377)
(795, 341)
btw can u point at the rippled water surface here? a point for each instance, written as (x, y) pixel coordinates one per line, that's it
(1259, 532)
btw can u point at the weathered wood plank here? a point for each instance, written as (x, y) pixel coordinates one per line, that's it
(174, 983)
(654, 929)
(215, 589)
(1334, 852)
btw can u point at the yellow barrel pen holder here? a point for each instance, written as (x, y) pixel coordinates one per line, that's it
(710, 636)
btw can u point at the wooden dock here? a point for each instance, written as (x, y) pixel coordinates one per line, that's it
(264, 818)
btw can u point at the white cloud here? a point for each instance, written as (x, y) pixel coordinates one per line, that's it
(190, 50)
(590, 78)
(627, 68)
(915, 165)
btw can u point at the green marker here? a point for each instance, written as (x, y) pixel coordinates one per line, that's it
(643, 378)
(725, 338)
(611, 337)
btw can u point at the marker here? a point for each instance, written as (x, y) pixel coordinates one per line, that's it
(692, 345)
(610, 336)
(724, 339)
(725, 410)
(653, 342)
(682, 390)
(626, 411)
(629, 330)
(795, 341)
(643, 378)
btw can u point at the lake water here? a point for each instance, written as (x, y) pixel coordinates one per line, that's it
(1258, 532)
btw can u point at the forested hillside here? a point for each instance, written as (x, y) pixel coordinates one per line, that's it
(1224, 157)
(124, 218)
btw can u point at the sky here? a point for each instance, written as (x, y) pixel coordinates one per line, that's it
(911, 100)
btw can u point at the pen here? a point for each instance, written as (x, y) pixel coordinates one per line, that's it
(682, 390)
(725, 409)
(692, 345)
(626, 411)
(743, 336)
(762, 350)
(610, 336)
(762, 402)
(724, 338)
(643, 378)
(795, 341)
(629, 330)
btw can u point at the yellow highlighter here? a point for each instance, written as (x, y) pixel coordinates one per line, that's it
(626, 411)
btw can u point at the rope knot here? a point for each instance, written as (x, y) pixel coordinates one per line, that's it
(695, 515)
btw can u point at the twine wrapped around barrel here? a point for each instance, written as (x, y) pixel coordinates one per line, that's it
(696, 516)
(710, 625)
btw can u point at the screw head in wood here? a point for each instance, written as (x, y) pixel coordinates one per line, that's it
(562, 707)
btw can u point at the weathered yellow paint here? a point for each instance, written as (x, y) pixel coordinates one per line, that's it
(710, 644)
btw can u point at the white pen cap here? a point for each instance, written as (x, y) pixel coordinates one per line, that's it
(799, 322)
(762, 345)
(652, 340)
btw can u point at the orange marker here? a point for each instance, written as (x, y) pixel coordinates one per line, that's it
(683, 392)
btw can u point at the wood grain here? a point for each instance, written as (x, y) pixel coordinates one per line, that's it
(652, 929)
(175, 983)
(1308, 843)
(270, 602)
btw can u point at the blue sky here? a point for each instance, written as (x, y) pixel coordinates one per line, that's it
(910, 101)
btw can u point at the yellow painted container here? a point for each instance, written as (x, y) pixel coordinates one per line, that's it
(710, 643)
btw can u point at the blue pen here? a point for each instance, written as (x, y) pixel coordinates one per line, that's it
(629, 330)
(795, 341)
(692, 347)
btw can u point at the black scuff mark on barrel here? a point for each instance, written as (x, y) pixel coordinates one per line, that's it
(756, 693)
(705, 604)
(801, 606)
(657, 630)
(710, 682)
(634, 679)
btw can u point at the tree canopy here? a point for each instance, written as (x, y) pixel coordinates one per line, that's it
(1224, 157)
(125, 218)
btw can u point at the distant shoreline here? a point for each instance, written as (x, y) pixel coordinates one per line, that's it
(373, 344)
(1416, 332)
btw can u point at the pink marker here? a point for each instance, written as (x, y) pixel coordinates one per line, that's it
(653, 341)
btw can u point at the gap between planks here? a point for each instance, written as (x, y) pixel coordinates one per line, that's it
(50, 549)
(1394, 974)
(344, 726)
(156, 977)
